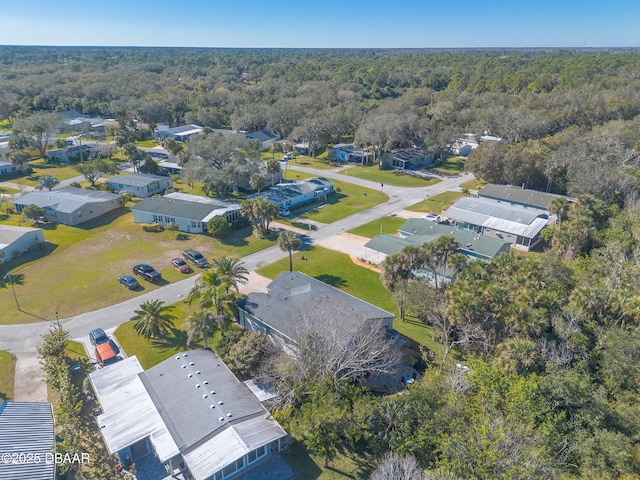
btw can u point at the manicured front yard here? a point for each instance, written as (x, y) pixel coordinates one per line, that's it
(76, 271)
(7, 375)
(396, 178)
(436, 204)
(452, 166)
(378, 227)
(8, 191)
(309, 162)
(474, 184)
(347, 200)
(347, 464)
(61, 172)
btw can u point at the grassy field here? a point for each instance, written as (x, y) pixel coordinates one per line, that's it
(7, 374)
(76, 271)
(452, 166)
(389, 177)
(378, 227)
(309, 162)
(347, 464)
(7, 190)
(347, 200)
(474, 184)
(337, 270)
(436, 204)
(61, 172)
(147, 143)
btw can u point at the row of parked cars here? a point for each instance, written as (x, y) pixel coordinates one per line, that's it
(150, 274)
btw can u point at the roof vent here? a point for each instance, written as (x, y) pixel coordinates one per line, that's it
(191, 363)
(205, 396)
(190, 375)
(206, 382)
(178, 358)
(197, 372)
(212, 407)
(282, 297)
(198, 385)
(185, 355)
(220, 402)
(229, 415)
(468, 245)
(184, 366)
(213, 392)
(221, 419)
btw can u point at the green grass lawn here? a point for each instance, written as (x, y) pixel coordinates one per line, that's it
(8, 190)
(150, 352)
(380, 226)
(452, 166)
(347, 200)
(337, 270)
(61, 172)
(436, 204)
(147, 143)
(77, 268)
(474, 184)
(347, 465)
(7, 375)
(309, 162)
(389, 177)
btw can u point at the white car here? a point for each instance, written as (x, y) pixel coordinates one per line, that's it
(431, 217)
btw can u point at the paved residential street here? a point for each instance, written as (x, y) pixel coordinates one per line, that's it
(23, 339)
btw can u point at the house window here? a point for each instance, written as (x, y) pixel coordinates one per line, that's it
(157, 218)
(240, 463)
(228, 470)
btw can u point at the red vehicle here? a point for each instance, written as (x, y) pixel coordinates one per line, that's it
(105, 354)
(181, 265)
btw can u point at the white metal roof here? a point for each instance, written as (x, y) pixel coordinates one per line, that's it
(231, 444)
(129, 413)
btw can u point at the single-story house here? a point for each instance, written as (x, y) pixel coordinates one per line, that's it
(291, 195)
(518, 225)
(16, 240)
(519, 196)
(70, 154)
(190, 213)
(417, 231)
(180, 134)
(347, 152)
(266, 138)
(27, 435)
(188, 415)
(6, 167)
(410, 158)
(461, 148)
(170, 165)
(5, 154)
(75, 118)
(70, 205)
(276, 313)
(140, 184)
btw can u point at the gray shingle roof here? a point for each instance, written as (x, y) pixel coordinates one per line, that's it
(184, 206)
(262, 135)
(290, 293)
(27, 428)
(181, 388)
(509, 193)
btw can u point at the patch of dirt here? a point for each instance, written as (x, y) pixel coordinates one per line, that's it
(364, 264)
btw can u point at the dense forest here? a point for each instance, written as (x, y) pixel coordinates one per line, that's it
(550, 341)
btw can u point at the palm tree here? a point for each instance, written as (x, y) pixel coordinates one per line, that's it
(152, 319)
(273, 167)
(518, 354)
(232, 270)
(289, 241)
(212, 292)
(561, 207)
(201, 323)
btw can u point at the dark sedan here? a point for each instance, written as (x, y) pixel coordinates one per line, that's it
(128, 281)
(147, 272)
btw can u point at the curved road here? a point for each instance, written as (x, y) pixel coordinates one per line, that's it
(22, 339)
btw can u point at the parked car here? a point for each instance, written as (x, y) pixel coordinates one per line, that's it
(105, 354)
(181, 265)
(147, 272)
(128, 281)
(98, 337)
(195, 258)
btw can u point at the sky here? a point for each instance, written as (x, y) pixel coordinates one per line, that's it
(322, 23)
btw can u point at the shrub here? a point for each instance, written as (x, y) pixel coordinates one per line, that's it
(172, 226)
(152, 227)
